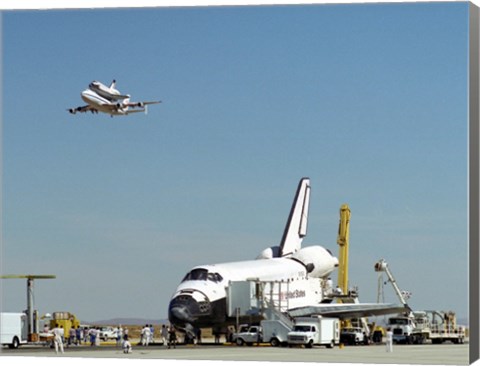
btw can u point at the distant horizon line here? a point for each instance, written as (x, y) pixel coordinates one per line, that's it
(126, 321)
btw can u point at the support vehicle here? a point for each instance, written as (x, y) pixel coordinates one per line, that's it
(13, 329)
(250, 336)
(65, 320)
(436, 326)
(274, 332)
(353, 336)
(108, 333)
(420, 326)
(315, 331)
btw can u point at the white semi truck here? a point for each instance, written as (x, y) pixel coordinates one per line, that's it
(419, 326)
(13, 329)
(310, 331)
(436, 326)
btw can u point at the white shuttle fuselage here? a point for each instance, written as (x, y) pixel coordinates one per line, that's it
(201, 298)
(107, 92)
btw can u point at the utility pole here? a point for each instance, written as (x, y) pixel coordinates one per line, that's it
(32, 329)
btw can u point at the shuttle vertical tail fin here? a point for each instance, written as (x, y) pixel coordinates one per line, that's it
(296, 228)
(112, 85)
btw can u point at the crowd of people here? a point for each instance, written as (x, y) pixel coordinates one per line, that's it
(92, 335)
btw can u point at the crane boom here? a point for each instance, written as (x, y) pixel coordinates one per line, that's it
(343, 242)
(382, 266)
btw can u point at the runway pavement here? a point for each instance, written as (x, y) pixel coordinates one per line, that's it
(445, 354)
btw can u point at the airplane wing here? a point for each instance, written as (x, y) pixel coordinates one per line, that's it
(140, 104)
(82, 109)
(135, 111)
(347, 311)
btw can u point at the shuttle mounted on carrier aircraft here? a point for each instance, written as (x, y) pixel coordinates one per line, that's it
(107, 99)
(201, 298)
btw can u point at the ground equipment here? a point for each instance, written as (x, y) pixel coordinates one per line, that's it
(32, 315)
(65, 320)
(420, 326)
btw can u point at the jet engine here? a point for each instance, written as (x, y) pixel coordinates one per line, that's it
(318, 261)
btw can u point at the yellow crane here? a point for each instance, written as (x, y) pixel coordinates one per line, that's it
(343, 242)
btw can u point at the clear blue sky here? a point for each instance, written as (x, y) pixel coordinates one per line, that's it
(369, 101)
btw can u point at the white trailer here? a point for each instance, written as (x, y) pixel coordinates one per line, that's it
(13, 329)
(310, 331)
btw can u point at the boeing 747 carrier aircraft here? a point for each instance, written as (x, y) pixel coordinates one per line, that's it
(107, 99)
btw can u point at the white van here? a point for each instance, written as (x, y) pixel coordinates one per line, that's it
(315, 331)
(13, 329)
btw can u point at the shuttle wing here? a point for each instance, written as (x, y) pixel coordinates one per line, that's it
(296, 228)
(346, 311)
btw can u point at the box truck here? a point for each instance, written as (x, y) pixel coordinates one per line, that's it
(13, 329)
(315, 331)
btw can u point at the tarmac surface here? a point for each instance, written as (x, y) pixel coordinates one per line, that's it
(444, 354)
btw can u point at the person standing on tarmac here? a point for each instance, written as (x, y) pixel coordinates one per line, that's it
(164, 334)
(57, 339)
(119, 335)
(152, 333)
(78, 336)
(389, 340)
(172, 337)
(127, 346)
(145, 335)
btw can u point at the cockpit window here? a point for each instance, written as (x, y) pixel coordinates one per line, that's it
(215, 277)
(198, 274)
(201, 274)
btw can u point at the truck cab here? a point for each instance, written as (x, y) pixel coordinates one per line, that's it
(402, 329)
(250, 336)
(352, 336)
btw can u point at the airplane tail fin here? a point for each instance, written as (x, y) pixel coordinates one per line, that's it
(296, 228)
(112, 85)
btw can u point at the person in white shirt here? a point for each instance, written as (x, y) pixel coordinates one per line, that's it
(127, 346)
(119, 332)
(57, 338)
(389, 340)
(146, 333)
(328, 286)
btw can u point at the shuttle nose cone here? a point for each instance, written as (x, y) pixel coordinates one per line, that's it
(183, 309)
(189, 308)
(181, 313)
